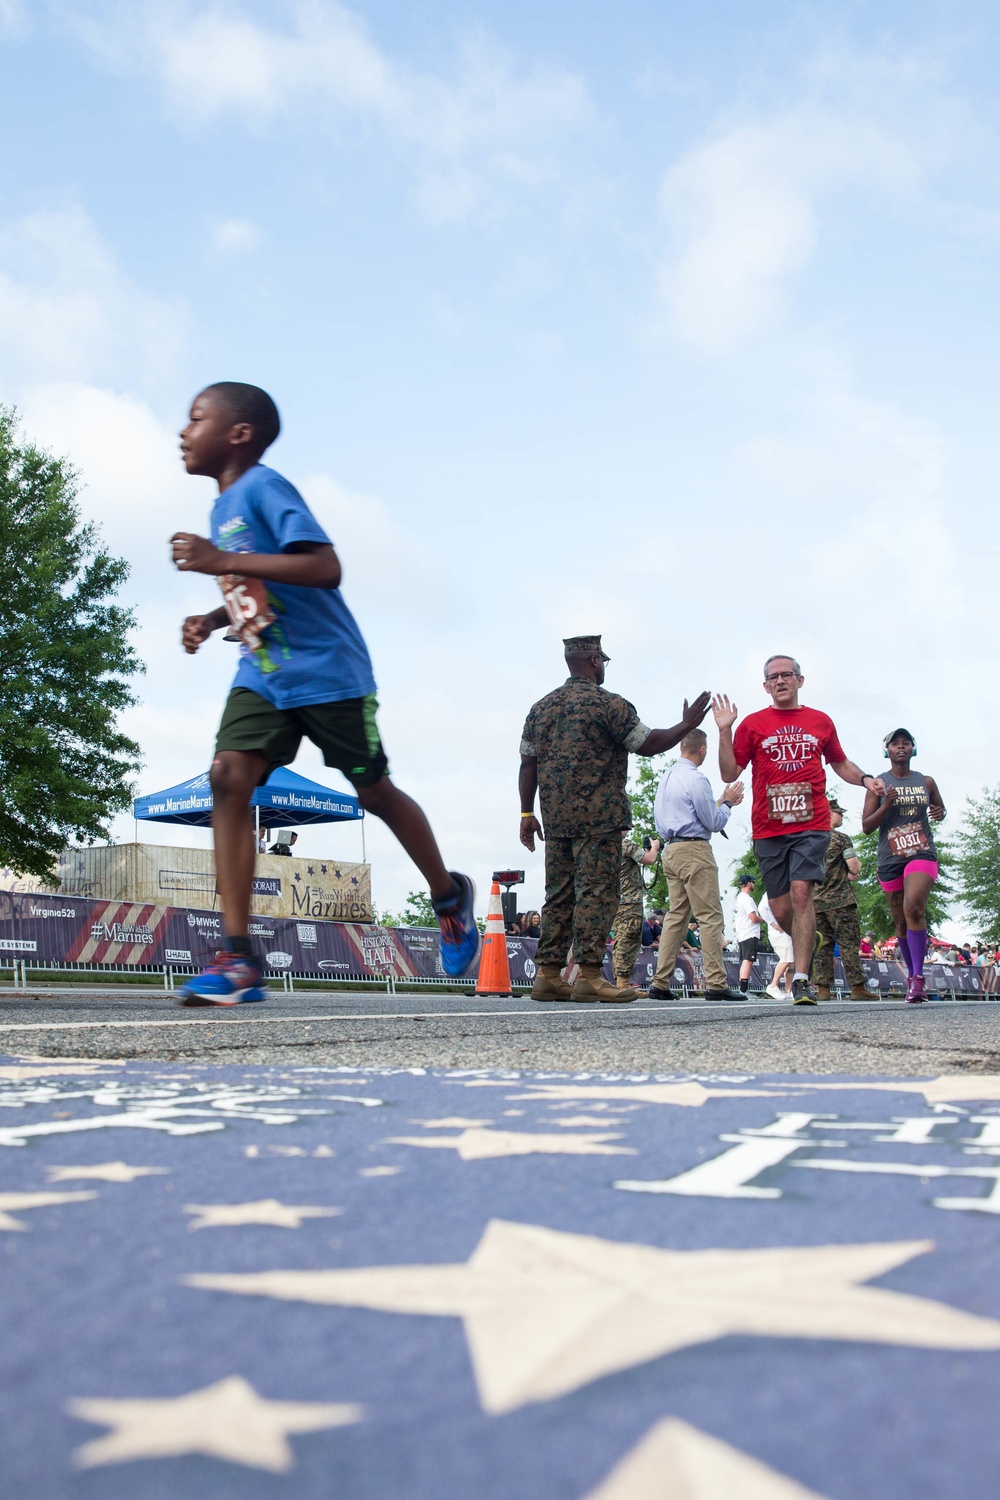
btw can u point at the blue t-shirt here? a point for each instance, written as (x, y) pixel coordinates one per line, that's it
(314, 651)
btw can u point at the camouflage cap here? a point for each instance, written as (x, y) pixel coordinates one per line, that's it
(584, 645)
(834, 804)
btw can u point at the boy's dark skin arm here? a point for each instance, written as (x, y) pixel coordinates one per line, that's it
(307, 564)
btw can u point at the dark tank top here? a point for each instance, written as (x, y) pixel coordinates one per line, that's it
(905, 831)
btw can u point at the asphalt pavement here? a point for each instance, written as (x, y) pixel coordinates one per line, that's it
(373, 1029)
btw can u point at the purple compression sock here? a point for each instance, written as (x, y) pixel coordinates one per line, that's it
(904, 948)
(918, 947)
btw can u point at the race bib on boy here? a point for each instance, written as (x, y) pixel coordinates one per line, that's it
(792, 803)
(907, 839)
(247, 607)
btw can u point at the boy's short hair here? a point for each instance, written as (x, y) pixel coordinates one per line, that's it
(248, 403)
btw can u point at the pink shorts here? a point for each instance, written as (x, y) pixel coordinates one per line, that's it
(925, 866)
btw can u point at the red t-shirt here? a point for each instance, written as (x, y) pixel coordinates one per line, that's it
(785, 749)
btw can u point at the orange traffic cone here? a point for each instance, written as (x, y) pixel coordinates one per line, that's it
(494, 970)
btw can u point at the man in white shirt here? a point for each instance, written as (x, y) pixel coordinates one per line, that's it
(747, 930)
(686, 815)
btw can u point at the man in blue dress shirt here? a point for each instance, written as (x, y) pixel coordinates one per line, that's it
(686, 816)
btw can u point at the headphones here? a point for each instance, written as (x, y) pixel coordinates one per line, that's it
(885, 746)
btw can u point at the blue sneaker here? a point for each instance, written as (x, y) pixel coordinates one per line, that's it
(459, 933)
(231, 980)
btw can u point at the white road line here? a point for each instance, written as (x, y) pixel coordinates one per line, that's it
(215, 1019)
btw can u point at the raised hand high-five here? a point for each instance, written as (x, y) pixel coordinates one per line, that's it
(724, 712)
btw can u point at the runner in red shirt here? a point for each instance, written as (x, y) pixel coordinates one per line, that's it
(785, 746)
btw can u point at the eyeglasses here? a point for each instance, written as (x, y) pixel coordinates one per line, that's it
(780, 676)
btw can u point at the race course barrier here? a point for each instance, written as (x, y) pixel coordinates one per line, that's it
(39, 931)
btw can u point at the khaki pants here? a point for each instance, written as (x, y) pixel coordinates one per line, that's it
(693, 887)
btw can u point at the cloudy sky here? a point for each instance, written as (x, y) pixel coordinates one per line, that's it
(666, 321)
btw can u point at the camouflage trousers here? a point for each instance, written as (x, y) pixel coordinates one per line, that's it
(628, 939)
(838, 924)
(581, 898)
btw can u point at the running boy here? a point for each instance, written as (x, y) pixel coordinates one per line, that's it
(304, 670)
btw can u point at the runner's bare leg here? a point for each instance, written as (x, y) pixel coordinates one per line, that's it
(803, 923)
(409, 823)
(235, 775)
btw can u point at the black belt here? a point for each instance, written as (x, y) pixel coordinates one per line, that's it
(688, 838)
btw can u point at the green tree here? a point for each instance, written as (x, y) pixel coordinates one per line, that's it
(873, 905)
(66, 664)
(978, 863)
(642, 795)
(418, 911)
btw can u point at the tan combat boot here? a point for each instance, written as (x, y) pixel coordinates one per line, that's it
(550, 985)
(822, 992)
(592, 985)
(860, 992)
(624, 983)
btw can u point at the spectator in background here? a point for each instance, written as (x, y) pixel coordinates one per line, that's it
(867, 945)
(693, 936)
(747, 930)
(654, 922)
(964, 954)
(283, 847)
(979, 956)
(531, 924)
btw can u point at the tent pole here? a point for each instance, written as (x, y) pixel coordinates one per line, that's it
(364, 856)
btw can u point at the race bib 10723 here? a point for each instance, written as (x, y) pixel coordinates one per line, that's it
(792, 803)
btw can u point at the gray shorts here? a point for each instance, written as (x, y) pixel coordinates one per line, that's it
(791, 856)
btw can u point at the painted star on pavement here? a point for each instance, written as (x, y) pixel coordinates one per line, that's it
(33, 1200)
(948, 1089)
(226, 1420)
(546, 1312)
(479, 1145)
(691, 1095)
(106, 1171)
(265, 1211)
(675, 1461)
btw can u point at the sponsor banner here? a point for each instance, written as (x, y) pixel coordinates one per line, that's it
(325, 890)
(131, 934)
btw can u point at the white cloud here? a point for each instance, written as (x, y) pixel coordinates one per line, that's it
(234, 237)
(487, 124)
(68, 312)
(745, 212)
(14, 19)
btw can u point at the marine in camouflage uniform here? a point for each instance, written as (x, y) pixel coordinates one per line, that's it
(574, 751)
(837, 913)
(628, 918)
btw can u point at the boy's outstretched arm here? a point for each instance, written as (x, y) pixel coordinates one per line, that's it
(311, 565)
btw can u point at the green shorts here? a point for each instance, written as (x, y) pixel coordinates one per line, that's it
(345, 732)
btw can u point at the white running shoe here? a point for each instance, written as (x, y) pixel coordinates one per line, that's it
(774, 992)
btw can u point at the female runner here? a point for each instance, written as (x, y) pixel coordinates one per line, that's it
(907, 859)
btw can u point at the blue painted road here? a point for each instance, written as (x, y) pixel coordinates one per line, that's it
(321, 1282)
